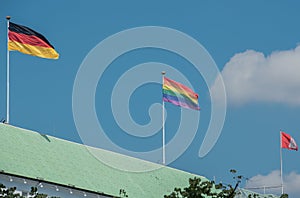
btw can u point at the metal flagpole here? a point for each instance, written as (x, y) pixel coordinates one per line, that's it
(281, 163)
(7, 75)
(163, 125)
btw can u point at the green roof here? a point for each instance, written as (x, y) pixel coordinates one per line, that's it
(34, 155)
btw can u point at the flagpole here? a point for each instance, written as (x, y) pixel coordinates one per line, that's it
(163, 125)
(281, 163)
(7, 75)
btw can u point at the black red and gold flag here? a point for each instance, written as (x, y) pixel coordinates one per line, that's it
(28, 41)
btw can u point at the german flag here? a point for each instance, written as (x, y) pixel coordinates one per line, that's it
(28, 41)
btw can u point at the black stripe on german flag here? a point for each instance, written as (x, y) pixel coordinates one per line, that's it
(20, 29)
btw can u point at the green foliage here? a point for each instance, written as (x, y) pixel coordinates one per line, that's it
(258, 196)
(11, 193)
(35, 194)
(284, 196)
(123, 193)
(8, 192)
(203, 189)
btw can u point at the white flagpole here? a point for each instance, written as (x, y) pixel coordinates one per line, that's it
(281, 163)
(163, 125)
(7, 75)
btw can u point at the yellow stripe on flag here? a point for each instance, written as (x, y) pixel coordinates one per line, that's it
(43, 52)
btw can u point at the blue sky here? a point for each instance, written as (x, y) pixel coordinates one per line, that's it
(253, 43)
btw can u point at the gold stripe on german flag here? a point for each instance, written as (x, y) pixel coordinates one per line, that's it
(28, 41)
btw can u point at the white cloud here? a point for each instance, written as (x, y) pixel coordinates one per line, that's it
(251, 76)
(291, 183)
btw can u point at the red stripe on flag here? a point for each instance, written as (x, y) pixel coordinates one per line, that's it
(180, 88)
(27, 39)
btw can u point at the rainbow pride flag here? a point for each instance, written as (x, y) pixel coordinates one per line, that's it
(179, 94)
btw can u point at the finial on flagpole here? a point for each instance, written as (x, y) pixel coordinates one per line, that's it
(163, 73)
(8, 17)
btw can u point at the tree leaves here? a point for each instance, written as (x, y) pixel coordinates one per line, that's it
(11, 193)
(203, 189)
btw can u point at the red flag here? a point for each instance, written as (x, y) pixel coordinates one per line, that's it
(288, 142)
